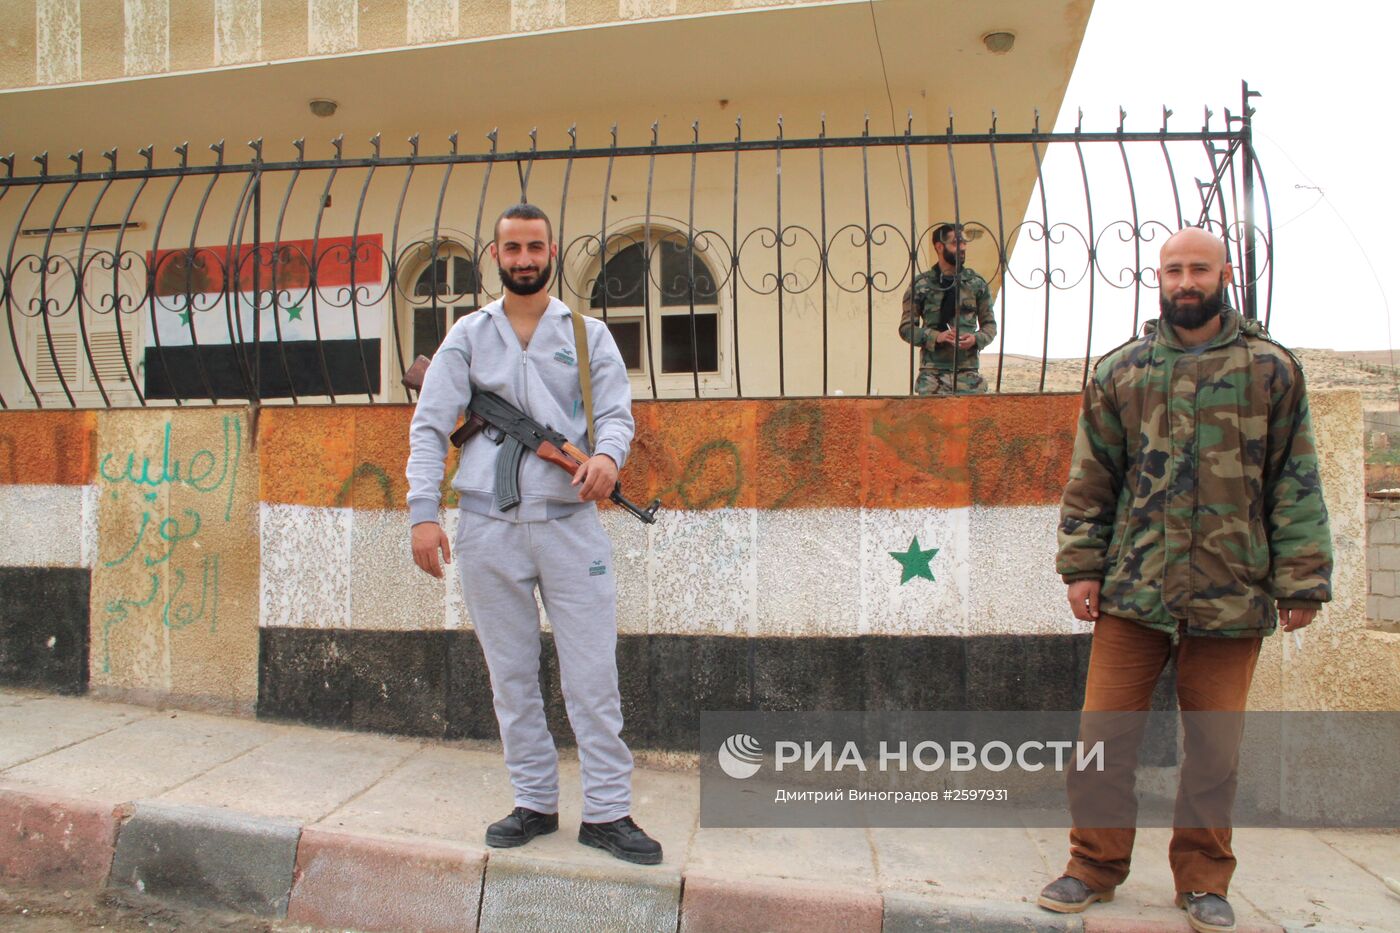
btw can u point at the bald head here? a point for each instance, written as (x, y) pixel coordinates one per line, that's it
(1193, 241)
(1194, 271)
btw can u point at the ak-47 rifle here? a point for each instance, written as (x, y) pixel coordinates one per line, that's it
(516, 432)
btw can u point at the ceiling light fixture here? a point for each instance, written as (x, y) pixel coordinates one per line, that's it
(1000, 42)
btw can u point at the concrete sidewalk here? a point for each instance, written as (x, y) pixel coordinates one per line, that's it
(371, 832)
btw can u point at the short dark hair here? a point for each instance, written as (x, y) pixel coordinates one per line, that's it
(523, 211)
(940, 233)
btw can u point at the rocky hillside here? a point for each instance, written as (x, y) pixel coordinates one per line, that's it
(1371, 371)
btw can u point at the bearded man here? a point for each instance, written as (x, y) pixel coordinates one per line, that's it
(523, 348)
(1191, 527)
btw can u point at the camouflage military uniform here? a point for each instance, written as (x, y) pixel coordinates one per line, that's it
(938, 363)
(1194, 491)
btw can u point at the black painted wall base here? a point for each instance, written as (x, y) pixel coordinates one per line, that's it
(44, 628)
(436, 683)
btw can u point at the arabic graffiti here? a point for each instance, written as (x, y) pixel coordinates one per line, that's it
(157, 538)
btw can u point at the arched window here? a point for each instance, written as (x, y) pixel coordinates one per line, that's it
(669, 278)
(442, 285)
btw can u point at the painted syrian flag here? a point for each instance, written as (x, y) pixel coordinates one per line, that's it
(212, 339)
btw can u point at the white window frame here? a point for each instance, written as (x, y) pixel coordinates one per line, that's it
(668, 385)
(455, 245)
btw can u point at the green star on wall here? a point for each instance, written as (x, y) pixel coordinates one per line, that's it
(185, 317)
(294, 313)
(915, 562)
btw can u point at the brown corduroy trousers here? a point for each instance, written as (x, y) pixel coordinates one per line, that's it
(1213, 674)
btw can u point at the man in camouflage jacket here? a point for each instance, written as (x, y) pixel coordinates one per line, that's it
(1192, 524)
(950, 342)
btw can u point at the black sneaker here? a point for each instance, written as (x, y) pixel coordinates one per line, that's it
(520, 827)
(1207, 913)
(624, 839)
(1066, 895)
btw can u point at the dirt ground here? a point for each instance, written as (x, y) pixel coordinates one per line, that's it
(27, 910)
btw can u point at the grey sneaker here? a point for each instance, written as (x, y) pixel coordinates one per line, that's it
(1207, 913)
(1066, 895)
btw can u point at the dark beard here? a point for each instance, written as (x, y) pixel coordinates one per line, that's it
(1191, 317)
(530, 287)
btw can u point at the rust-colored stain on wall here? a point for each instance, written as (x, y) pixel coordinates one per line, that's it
(48, 447)
(767, 454)
(381, 456)
(1019, 447)
(306, 456)
(915, 453)
(692, 455)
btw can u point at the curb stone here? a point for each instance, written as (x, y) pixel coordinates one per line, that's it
(207, 857)
(53, 841)
(717, 905)
(523, 895)
(907, 913)
(345, 880)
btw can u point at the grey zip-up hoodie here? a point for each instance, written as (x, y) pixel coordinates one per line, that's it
(482, 353)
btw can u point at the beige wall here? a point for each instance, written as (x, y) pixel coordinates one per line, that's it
(1339, 662)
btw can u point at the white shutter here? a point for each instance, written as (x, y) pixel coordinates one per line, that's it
(107, 356)
(72, 359)
(65, 348)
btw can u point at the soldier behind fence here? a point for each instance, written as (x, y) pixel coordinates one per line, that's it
(950, 326)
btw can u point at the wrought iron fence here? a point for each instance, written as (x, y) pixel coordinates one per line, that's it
(742, 267)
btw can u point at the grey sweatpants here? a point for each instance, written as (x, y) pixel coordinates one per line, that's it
(570, 560)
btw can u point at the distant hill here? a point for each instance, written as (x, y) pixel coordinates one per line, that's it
(1371, 371)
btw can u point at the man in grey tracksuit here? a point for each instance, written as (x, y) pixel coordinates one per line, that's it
(522, 348)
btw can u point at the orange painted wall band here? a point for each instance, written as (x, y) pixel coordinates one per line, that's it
(768, 454)
(47, 447)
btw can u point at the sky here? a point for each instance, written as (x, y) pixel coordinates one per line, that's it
(1325, 139)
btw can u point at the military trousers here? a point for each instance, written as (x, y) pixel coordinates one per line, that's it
(1213, 674)
(569, 560)
(941, 382)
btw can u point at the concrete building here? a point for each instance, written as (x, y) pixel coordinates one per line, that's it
(548, 75)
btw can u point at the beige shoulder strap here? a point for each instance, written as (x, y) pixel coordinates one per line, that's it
(585, 374)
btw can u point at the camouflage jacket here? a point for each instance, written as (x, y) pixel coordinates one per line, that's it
(1193, 490)
(923, 301)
